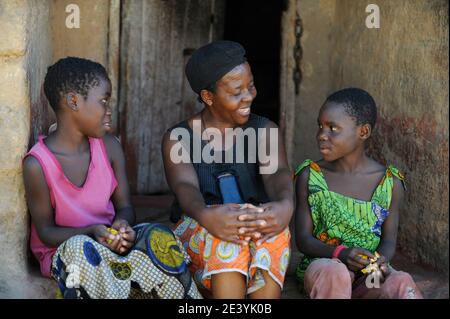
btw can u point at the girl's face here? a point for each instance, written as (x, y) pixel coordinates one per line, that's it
(338, 135)
(234, 95)
(94, 112)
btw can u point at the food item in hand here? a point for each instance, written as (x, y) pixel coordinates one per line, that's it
(373, 266)
(111, 231)
(377, 255)
(370, 268)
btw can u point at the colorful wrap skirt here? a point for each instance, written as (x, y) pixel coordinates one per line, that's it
(156, 267)
(210, 255)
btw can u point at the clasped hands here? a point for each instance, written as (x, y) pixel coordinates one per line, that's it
(241, 223)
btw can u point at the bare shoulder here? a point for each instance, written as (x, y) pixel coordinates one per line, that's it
(31, 165)
(321, 162)
(271, 124)
(195, 117)
(111, 140)
(32, 170)
(112, 146)
(272, 132)
(302, 178)
(398, 187)
(375, 166)
(168, 139)
(324, 165)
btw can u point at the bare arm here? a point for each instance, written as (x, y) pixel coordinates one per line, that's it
(183, 181)
(278, 185)
(221, 220)
(121, 196)
(41, 210)
(390, 226)
(306, 242)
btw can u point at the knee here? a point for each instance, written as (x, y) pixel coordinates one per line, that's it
(230, 285)
(77, 240)
(401, 277)
(336, 268)
(327, 278)
(75, 246)
(339, 270)
(331, 269)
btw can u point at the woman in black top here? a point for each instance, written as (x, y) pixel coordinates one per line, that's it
(235, 229)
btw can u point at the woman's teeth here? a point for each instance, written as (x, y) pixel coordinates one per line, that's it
(244, 111)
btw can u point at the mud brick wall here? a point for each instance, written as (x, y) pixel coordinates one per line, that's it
(404, 65)
(24, 55)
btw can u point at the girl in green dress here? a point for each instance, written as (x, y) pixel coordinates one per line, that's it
(348, 208)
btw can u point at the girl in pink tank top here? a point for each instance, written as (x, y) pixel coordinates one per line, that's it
(74, 206)
(77, 192)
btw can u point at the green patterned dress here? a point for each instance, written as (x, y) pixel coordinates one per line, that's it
(339, 219)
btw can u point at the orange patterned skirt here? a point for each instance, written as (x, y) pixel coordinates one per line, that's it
(211, 255)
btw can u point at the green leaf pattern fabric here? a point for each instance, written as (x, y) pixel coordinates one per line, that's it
(338, 219)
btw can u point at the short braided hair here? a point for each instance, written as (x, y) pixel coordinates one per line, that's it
(357, 103)
(72, 74)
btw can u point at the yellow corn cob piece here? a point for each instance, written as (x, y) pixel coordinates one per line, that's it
(370, 268)
(111, 231)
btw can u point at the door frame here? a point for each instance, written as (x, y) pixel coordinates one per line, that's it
(288, 97)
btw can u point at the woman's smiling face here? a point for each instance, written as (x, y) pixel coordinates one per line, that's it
(234, 95)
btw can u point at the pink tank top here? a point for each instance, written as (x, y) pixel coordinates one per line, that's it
(74, 206)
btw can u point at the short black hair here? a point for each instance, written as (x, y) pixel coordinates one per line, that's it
(72, 74)
(357, 103)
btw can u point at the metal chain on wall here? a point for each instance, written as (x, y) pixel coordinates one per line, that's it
(298, 53)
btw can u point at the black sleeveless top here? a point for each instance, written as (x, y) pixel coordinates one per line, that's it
(247, 172)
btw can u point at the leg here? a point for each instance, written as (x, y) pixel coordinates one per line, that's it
(271, 289)
(172, 260)
(328, 279)
(270, 261)
(398, 285)
(77, 268)
(228, 285)
(218, 267)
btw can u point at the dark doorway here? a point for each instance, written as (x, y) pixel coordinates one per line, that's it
(256, 25)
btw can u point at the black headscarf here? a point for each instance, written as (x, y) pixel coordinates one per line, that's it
(211, 62)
